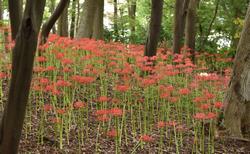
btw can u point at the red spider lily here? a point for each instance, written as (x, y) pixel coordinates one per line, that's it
(218, 105)
(47, 107)
(103, 99)
(171, 123)
(198, 99)
(161, 124)
(112, 133)
(173, 99)
(66, 70)
(122, 88)
(41, 59)
(103, 118)
(63, 83)
(184, 91)
(38, 69)
(200, 116)
(79, 105)
(146, 138)
(83, 79)
(50, 68)
(165, 95)
(55, 120)
(59, 55)
(209, 95)
(44, 81)
(205, 106)
(61, 111)
(66, 61)
(56, 92)
(116, 112)
(211, 115)
(49, 88)
(2, 75)
(148, 82)
(101, 112)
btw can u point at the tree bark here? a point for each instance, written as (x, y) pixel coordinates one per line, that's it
(132, 15)
(154, 28)
(63, 22)
(73, 18)
(237, 100)
(98, 20)
(47, 26)
(115, 20)
(15, 13)
(179, 23)
(191, 27)
(1, 13)
(87, 20)
(22, 64)
(52, 8)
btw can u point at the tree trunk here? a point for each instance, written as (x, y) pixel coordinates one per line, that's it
(15, 13)
(1, 13)
(191, 27)
(22, 64)
(154, 28)
(115, 20)
(87, 20)
(179, 23)
(237, 100)
(51, 21)
(132, 15)
(77, 16)
(63, 23)
(98, 20)
(204, 41)
(73, 18)
(52, 8)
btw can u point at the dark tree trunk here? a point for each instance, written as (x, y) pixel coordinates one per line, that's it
(191, 27)
(179, 23)
(52, 8)
(154, 28)
(73, 18)
(63, 23)
(237, 100)
(47, 26)
(15, 13)
(85, 29)
(22, 64)
(132, 15)
(98, 20)
(204, 41)
(115, 20)
(1, 13)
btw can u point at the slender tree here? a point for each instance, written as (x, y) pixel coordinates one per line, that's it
(179, 23)
(63, 22)
(22, 64)
(154, 28)
(191, 27)
(132, 16)
(1, 12)
(115, 20)
(15, 13)
(73, 18)
(47, 26)
(237, 100)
